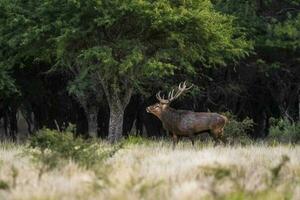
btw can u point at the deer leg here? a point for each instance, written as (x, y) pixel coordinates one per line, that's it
(214, 136)
(218, 134)
(222, 138)
(175, 140)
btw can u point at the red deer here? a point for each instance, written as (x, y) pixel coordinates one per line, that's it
(185, 122)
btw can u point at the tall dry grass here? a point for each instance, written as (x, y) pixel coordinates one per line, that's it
(155, 171)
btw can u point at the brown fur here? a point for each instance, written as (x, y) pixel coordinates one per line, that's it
(189, 123)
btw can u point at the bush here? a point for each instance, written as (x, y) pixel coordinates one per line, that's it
(282, 130)
(51, 147)
(3, 185)
(237, 131)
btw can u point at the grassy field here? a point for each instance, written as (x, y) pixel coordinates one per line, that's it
(154, 170)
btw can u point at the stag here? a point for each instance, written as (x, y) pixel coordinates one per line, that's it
(184, 122)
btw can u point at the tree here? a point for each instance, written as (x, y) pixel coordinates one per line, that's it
(112, 47)
(273, 26)
(7, 84)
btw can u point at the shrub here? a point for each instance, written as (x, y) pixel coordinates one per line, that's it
(51, 147)
(283, 130)
(3, 185)
(237, 131)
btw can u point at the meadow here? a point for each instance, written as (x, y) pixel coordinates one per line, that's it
(92, 68)
(148, 169)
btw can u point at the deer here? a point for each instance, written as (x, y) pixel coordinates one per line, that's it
(185, 122)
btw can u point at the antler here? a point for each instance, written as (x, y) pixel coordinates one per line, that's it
(171, 97)
(161, 100)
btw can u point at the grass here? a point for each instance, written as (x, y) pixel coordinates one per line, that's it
(152, 170)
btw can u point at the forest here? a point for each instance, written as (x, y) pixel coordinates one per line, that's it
(98, 65)
(78, 79)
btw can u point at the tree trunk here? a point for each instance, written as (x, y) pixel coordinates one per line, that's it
(299, 106)
(118, 94)
(115, 123)
(12, 127)
(92, 123)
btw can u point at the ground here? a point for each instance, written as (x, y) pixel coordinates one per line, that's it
(156, 171)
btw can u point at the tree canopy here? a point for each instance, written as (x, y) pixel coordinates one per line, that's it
(116, 45)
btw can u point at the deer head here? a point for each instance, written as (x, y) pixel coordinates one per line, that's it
(158, 108)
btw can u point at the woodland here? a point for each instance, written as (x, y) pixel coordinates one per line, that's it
(79, 93)
(96, 64)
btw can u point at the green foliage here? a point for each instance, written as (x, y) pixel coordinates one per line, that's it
(51, 147)
(284, 35)
(121, 41)
(237, 131)
(4, 185)
(114, 46)
(7, 83)
(272, 25)
(283, 130)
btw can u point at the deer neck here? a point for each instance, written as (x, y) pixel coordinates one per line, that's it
(168, 115)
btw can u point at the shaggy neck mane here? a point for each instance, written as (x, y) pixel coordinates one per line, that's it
(170, 115)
